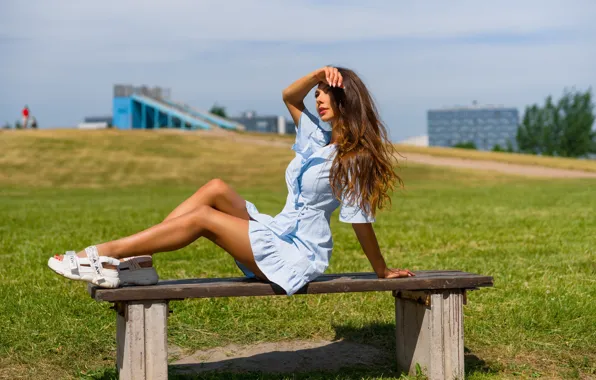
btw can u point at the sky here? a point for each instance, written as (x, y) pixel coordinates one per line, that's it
(62, 57)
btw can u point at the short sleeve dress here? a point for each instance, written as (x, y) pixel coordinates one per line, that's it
(294, 247)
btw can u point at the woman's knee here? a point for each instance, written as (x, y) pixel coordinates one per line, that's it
(217, 185)
(199, 217)
(213, 188)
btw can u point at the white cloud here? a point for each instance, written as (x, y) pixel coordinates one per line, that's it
(251, 20)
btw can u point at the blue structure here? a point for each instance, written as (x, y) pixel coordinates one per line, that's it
(485, 126)
(150, 108)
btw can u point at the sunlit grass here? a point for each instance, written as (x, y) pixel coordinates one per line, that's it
(67, 190)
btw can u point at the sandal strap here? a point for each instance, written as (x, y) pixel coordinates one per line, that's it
(73, 261)
(94, 262)
(134, 265)
(134, 262)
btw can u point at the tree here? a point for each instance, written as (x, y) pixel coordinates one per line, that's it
(7, 126)
(509, 147)
(218, 110)
(497, 148)
(577, 119)
(562, 129)
(465, 145)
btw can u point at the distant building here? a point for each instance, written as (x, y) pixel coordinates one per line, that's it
(99, 119)
(416, 141)
(96, 122)
(146, 107)
(485, 126)
(266, 124)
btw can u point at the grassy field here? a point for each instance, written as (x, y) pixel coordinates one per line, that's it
(69, 189)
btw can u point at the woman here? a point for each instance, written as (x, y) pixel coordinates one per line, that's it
(348, 165)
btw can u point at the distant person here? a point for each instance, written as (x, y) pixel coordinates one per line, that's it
(33, 122)
(25, 114)
(348, 164)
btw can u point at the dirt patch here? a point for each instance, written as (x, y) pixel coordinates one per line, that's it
(503, 167)
(292, 356)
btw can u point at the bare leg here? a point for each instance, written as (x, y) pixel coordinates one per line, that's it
(227, 231)
(189, 221)
(217, 194)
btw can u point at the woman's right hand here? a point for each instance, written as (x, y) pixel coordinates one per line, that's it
(397, 273)
(331, 76)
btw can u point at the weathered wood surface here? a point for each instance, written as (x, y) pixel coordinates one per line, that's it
(142, 340)
(331, 283)
(431, 336)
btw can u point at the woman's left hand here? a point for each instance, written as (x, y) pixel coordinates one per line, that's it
(397, 273)
(331, 76)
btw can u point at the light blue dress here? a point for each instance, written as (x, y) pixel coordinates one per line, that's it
(294, 247)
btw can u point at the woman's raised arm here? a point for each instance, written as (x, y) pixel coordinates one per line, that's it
(293, 96)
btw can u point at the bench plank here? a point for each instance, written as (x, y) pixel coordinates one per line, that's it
(330, 283)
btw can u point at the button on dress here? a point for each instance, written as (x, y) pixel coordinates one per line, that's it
(294, 247)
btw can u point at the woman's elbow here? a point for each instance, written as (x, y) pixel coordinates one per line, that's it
(285, 95)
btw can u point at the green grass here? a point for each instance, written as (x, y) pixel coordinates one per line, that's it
(67, 190)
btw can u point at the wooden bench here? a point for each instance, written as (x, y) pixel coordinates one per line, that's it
(428, 316)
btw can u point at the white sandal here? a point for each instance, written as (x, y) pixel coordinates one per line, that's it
(132, 273)
(88, 268)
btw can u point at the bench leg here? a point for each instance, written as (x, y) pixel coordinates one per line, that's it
(142, 340)
(430, 333)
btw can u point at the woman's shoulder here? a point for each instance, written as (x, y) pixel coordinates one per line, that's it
(308, 119)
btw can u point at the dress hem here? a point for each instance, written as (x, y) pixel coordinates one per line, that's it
(268, 259)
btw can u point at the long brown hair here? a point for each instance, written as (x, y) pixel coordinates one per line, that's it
(362, 172)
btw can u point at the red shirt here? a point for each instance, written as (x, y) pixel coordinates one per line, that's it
(25, 112)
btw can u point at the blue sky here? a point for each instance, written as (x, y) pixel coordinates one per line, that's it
(62, 57)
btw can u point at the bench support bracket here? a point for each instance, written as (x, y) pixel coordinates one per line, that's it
(430, 333)
(142, 340)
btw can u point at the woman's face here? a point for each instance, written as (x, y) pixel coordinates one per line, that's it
(325, 104)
